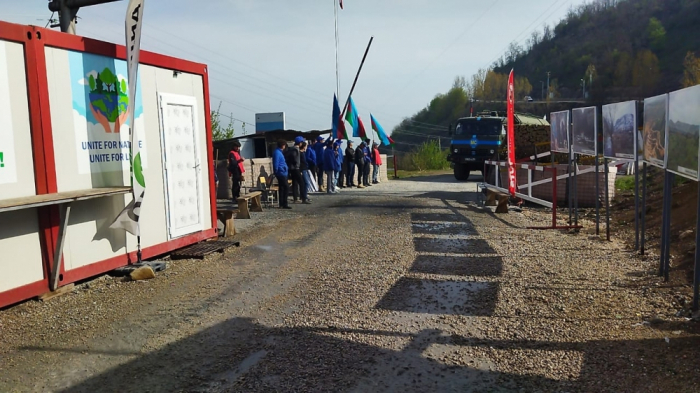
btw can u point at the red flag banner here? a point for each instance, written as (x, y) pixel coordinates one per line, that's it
(511, 135)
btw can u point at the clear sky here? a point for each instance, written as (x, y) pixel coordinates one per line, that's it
(279, 56)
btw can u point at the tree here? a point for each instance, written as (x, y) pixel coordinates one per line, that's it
(91, 82)
(108, 78)
(645, 71)
(656, 33)
(219, 132)
(691, 71)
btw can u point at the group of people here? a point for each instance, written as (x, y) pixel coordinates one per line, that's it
(307, 165)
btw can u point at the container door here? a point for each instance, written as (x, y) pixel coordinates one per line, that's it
(181, 164)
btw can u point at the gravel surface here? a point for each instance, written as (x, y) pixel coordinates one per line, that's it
(406, 286)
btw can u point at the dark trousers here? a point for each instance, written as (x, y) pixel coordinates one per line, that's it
(341, 177)
(284, 190)
(350, 174)
(312, 171)
(295, 175)
(235, 187)
(304, 187)
(365, 174)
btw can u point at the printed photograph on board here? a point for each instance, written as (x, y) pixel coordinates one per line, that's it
(684, 132)
(654, 130)
(619, 130)
(584, 130)
(559, 122)
(101, 111)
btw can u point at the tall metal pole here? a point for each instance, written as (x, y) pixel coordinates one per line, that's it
(345, 107)
(597, 195)
(607, 199)
(337, 43)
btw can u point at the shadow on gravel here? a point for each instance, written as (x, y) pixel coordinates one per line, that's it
(456, 246)
(456, 196)
(241, 355)
(446, 178)
(466, 298)
(458, 266)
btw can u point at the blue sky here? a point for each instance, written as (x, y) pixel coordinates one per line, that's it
(278, 55)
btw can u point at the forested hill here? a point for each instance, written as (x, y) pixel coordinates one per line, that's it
(621, 49)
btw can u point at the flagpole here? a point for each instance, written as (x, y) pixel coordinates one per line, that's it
(345, 107)
(337, 42)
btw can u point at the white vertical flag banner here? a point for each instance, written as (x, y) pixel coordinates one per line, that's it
(128, 219)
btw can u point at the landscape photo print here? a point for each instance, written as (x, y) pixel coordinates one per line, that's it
(684, 132)
(560, 131)
(585, 130)
(654, 130)
(620, 130)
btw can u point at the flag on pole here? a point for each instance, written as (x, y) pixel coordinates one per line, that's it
(338, 131)
(361, 130)
(511, 135)
(351, 117)
(128, 219)
(386, 140)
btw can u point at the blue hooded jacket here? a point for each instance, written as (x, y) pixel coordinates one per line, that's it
(318, 149)
(330, 161)
(279, 165)
(310, 156)
(367, 153)
(341, 155)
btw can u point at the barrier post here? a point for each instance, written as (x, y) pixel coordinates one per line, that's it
(607, 199)
(644, 208)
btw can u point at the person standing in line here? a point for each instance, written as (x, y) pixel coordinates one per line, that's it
(376, 163)
(292, 156)
(281, 171)
(340, 175)
(318, 149)
(360, 162)
(311, 160)
(304, 169)
(350, 165)
(236, 170)
(330, 165)
(367, 160)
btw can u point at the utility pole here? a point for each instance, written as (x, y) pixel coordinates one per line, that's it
(548, 72)
(68, 10)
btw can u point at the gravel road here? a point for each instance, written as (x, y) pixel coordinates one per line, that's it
(407, 286)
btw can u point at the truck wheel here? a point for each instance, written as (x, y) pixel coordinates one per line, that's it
(462, 172)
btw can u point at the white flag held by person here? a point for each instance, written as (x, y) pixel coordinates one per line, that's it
(128, 219)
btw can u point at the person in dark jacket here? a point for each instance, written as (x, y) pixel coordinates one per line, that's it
(350, 165)
(311, 160)
(236, 170)
(279, 168)
(293, 158)
(367, 163)
(330, 166)
(360, 162)
(318, 149)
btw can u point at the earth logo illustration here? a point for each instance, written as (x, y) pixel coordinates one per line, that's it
(109, 100)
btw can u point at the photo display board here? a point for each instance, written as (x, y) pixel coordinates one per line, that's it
(684, 132)
(559, 122)
(585, 130)
(654, 130)
(620, 130)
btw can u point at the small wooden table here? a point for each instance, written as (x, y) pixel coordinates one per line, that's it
(226, 216)
(256, 205)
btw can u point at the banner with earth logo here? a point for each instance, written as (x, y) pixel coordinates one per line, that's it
(101, 110)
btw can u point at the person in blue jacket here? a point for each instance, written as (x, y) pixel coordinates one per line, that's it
(318, 149)
(330, 166)
(341, 158)
(281, 171)
(367, 161)
(311, 160)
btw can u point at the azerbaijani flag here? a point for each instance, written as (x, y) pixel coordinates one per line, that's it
(361, 129)
(386, 139)
(338, 131)
(352, 118)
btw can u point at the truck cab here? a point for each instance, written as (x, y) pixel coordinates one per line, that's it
(475, 140)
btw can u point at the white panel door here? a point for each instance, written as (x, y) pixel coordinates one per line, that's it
(181, 165)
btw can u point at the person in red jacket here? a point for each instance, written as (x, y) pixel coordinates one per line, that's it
(236, 170)
(376, 163)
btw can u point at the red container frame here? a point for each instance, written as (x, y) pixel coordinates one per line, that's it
(35, 40)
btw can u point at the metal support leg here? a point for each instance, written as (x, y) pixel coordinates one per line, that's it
(58, 252)
(597, 197)
(636, 204)
(696, 275)
(644, 209)
(607, 199)
(575, 191)
(664, 213)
